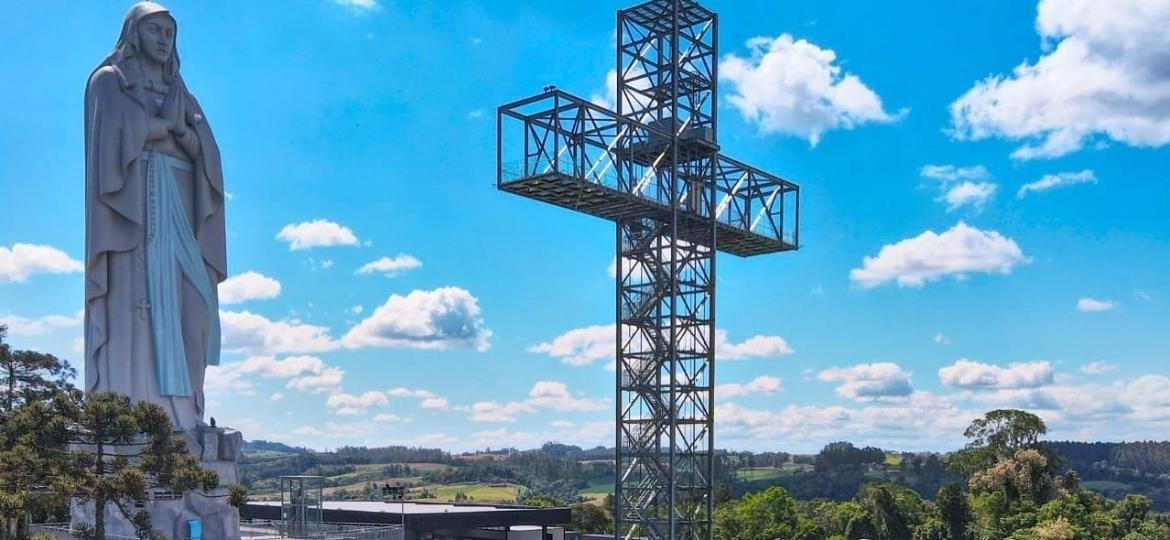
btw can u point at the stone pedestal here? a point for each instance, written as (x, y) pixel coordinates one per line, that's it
(219, 450)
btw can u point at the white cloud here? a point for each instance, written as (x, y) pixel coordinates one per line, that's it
(304, 373)
(276, 396)
(794, 87)
(316, 233)
(544, 395)
(358, 5)
(929, 257)
(328, 381)
(961, 186)
(1102, 74)
(248, 286)
(22, 326)
(435, 403)
(583, 346)
(762, 384)
(1051, 181)
(969, 374)
(1091, 305)
(447, 317)
(970, 194)
(349, 404)
(952, 173)
(552, 395)
(1098, 368)
(292, 366)
(494, 411)
(754, 347)
(410, 392)
(867, 382)
(391, 267)
(23, 261)
(254, 334)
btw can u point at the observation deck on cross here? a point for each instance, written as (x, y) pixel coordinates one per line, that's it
(568, 151)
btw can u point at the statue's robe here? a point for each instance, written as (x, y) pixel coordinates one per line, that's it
(118, 335)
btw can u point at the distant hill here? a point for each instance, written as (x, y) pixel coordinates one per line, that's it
(268, 446)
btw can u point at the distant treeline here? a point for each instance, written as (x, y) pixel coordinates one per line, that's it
(1147, 456)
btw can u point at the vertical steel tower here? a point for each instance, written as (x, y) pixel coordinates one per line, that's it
(654, 168)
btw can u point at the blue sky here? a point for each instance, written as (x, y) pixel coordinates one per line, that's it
(932, 284)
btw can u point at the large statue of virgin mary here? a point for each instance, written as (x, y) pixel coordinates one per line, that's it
(154, 239)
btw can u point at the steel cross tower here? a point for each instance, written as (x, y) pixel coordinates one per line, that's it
(654, 168)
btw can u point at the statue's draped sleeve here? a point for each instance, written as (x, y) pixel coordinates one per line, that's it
(115, 214)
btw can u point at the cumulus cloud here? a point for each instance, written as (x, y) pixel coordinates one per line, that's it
(410, 392)
(1098, 368)
(961, 186)
(358, 6)
(762, 384)
(248, 286)
(1091, 305)
(23, 326)
(304, 373)
(794, 87)
(390, 267)
(968, 374)
(1052, 181)
(1102, 75)
(959, 251)
(327, 381)
(544, 395)
(435, 403)
(22, 261)
(254, 334)
(447, 317)
(867, 382)
(757, 346)
(316, 233)
(349, 404)
(583, 346)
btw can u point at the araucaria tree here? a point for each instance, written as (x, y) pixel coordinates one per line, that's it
(27, 376)
(122, 451)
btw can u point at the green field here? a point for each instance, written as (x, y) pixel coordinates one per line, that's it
(760, 474)
(477, 492)
(597, 489)
(1106, 485)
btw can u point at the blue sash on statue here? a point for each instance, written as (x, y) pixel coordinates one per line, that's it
(171, 252)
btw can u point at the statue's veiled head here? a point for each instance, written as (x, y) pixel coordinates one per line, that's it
(148, 32)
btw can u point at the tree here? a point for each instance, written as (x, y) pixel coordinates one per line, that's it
(29, 376)
(999, 434)
(888, 520)
(954, 511)
(591, 518)
(126, 449)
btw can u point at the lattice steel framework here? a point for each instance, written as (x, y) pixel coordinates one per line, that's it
(654, 168)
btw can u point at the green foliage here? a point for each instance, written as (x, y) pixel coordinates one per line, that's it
(592, 518)
(540, 501)
(237, 495)
(954, 512)
(998, 435)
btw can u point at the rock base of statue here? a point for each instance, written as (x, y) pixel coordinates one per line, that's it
(170, 514)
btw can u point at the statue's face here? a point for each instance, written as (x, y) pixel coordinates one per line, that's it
(156, 38)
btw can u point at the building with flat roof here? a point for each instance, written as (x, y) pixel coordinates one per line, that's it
(422, 520)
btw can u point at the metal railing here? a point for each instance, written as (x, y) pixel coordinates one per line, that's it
(559, 133)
